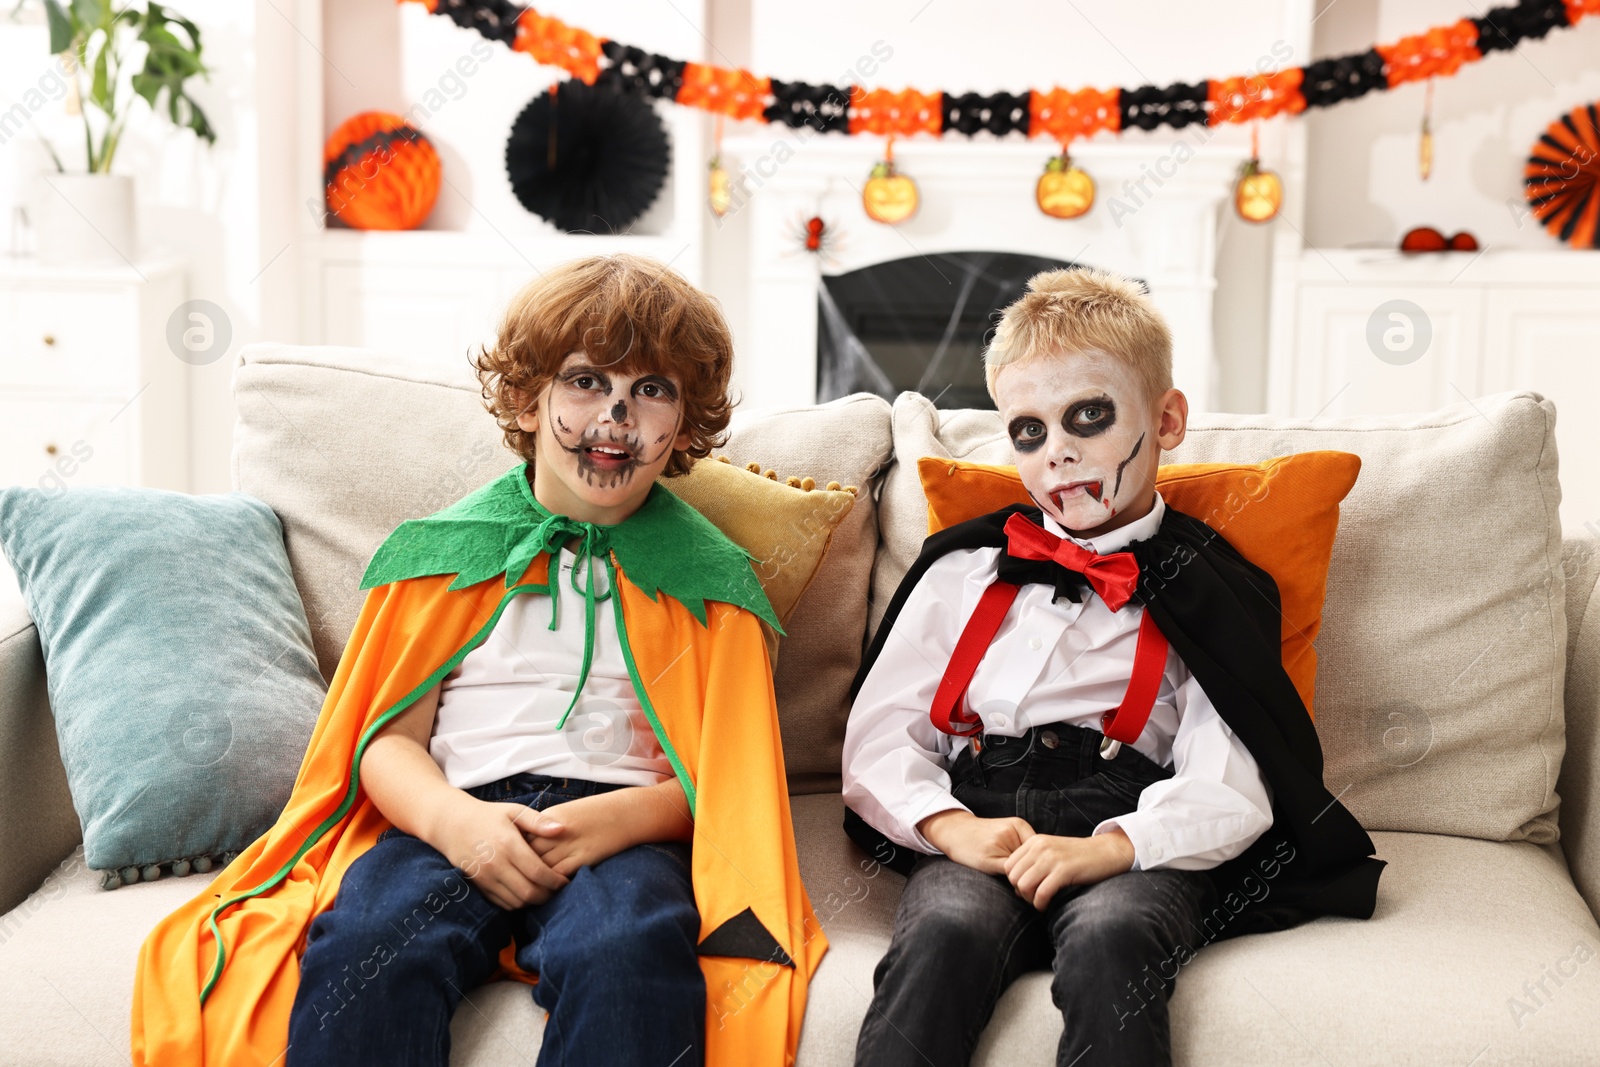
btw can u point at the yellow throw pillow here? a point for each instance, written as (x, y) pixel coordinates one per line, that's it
(1281, 515)
(785, 525)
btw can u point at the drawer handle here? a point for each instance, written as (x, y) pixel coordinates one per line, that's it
(49, 340)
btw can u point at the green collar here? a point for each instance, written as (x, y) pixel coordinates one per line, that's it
(664, 547)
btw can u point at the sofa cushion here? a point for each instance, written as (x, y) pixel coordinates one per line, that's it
(179, 663)
(1477, 949)
(846, 440)
(1434, 976)
(1442, 652)
(345, 444)
(1291, 539)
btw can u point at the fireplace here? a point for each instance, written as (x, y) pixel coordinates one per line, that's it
(917, 324)
(1155, 219)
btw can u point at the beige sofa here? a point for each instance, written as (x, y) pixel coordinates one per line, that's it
(1457, 698)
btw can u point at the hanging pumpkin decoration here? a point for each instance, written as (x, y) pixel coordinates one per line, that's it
(587, 158)
(889, 196)
(380, 173)
(1562, 178)
(1065, 191)
(1258, 194)
(719, 188)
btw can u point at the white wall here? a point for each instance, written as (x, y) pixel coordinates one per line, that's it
(234, 208)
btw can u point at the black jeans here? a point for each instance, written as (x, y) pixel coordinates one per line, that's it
(961, 936)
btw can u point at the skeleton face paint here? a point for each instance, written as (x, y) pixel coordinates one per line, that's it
(603, 435)
(1084, 436)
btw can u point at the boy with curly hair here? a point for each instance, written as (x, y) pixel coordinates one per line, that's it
(512, 777)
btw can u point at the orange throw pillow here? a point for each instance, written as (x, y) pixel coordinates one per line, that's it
(1291, 538)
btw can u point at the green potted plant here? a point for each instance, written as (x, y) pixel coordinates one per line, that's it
(115, 54)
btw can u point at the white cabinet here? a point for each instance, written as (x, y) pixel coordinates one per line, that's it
(1359, 349)
(90, 391)
(1496, 320)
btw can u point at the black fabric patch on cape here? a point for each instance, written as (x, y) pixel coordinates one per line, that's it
(743, 935)
(1221, 613)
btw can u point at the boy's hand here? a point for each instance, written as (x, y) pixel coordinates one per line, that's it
(485, 839)
(1044, 863)
(982, 844)
(585, 831)
(580, 832)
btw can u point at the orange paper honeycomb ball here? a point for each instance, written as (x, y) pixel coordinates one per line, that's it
(380, 173)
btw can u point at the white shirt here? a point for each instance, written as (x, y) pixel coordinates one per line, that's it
(1050, 662)
(498, 708)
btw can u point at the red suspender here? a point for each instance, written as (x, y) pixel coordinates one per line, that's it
(1126, 721)
(1123, 723)
(974, 642)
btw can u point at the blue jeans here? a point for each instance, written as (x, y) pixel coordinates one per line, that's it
(409, 936)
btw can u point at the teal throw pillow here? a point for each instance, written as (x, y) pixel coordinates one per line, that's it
(180, 667)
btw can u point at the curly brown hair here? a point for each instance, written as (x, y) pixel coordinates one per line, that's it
(624, 310)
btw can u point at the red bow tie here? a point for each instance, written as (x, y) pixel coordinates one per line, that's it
(1114, 576)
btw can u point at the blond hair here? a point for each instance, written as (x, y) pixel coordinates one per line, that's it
(1077, 309)
(623, 310)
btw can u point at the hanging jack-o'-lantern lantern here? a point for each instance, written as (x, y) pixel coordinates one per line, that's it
(1065, 191)
(889, 196)
(719, 188)
(1258, 194)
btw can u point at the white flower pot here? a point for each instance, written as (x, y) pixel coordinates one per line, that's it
(86, 219)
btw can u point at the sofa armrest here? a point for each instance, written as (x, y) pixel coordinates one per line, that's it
(1579, 785)
(38, 825)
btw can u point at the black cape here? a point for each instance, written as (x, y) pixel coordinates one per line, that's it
(1221, 613)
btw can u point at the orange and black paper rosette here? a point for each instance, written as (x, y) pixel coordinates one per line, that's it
(380, 173)
(1063, 115)
(1562, 178)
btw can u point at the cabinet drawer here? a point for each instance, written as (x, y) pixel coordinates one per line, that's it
(87, 340)
(57, 444)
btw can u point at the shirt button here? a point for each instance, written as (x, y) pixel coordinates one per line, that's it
(1034, 642)
(1156, 852)
(998, 721)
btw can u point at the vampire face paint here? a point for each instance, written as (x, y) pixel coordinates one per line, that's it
(603, 436)
(1084, 436)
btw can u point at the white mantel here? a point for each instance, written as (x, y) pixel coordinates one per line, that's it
(978, 197)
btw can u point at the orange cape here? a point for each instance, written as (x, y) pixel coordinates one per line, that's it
(708, 687)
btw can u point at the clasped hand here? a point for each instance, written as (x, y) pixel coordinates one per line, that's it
(516, 855)
(1037, 865)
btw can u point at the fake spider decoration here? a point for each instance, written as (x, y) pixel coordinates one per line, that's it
(817, 236)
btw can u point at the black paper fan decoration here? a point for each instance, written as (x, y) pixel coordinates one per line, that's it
(588, 159)
(1562, 178)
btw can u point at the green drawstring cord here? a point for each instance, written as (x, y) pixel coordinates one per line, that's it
(593, 541)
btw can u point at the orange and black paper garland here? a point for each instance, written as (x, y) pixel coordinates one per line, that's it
(1060, 114)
